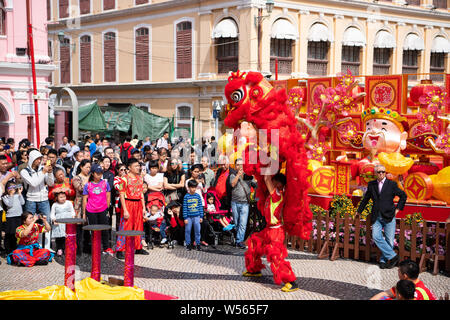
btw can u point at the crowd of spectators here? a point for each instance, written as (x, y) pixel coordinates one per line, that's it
(85, 179)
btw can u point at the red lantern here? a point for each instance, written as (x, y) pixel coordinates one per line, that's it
(418, 90)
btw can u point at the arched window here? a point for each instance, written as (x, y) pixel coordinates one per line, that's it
(85, 58)
(439, 52)
(319, 38)
(282, 39)
(382, 52)
(183, 116)
(109, 56)
(64, 56)
(226, 38)
(411, 52)
(2, 18)
(142, 53)
(353, 41)
(184, 49)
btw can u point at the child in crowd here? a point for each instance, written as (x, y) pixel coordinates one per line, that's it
(61, 209)
(192, 213)
(405, 290)
(13, 201)
(175, 221)
(153, 223)
(211, 208)
(408, 270)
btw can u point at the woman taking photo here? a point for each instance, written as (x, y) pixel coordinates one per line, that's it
(174, 180)
(79, 181)
(29, 252)
(96, 201)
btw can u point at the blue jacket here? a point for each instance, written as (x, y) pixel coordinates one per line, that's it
(192, 206)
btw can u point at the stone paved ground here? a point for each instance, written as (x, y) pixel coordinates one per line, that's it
(216, 274)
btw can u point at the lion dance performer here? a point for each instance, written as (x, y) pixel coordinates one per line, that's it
(252, 99)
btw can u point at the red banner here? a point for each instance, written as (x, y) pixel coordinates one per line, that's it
(384, 92)
(342, 177)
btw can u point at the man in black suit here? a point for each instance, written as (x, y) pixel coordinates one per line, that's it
(382, 192)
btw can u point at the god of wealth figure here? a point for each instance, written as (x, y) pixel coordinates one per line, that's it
(385, 137)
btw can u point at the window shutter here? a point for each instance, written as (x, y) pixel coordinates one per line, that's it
(141, 1)
(142, 56)
(109, 4)
(50, 54)
(2, 20)
(64, 53)
(110, 57)
(184, 50)
(85, 6)
(85, 58)
(63, 8)
(49, 10)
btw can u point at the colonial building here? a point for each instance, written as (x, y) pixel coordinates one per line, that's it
(16, 85)
(173, 57)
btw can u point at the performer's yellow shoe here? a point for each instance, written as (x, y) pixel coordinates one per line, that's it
(252, 274)
(290, 287)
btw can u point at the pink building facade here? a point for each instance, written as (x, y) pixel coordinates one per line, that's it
(16, 83)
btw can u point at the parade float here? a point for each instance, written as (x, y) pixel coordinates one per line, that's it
(349, 128)
(348, 125)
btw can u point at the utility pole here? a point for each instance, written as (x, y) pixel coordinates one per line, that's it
(33, 69)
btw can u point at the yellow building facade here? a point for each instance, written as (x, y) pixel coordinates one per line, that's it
(172, 57)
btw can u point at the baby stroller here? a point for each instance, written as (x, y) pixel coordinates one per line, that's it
(215, 227)
(153, 228)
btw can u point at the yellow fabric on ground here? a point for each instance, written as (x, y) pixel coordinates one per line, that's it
(86, 289)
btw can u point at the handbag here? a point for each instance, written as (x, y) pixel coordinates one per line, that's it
(256, 221)
(172, 196)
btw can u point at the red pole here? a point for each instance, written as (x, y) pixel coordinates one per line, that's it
(96, 255)
(276, 69)
(33, 69)
(71, 251)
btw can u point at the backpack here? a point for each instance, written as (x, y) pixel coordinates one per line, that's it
(124, 154)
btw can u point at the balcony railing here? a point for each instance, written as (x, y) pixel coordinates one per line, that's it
(228, 64)
(284, 65)
(435, 76)
(352, 66)
(409, 70)
(381, 69)
(317, 67)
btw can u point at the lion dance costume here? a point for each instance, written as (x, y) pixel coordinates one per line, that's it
(251, 98)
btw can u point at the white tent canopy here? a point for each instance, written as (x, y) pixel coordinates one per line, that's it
(413, 42)
(226, 28)
(284, 29)
(440, 45)
(384, 39)
(353, 37)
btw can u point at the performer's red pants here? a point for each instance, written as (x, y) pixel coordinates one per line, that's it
(134, 222)
(270, 242)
